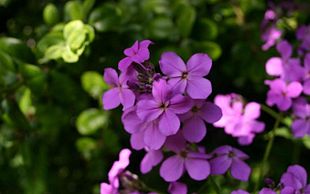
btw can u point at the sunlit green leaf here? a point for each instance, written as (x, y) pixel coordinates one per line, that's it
(50, 14)
(91, 120)
(93, 83)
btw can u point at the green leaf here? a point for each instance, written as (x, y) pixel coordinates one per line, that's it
(87, 6)
(86, 145)
(185, 20)
(74, 10)
(16, 49)
(160, 28)
(306, 142)
(50, 39)
(50, 14)
(25, 102)
(207, 29)
(74, 34)
(283, 132)
(91, 120)
(69, 56)
(93, 83)
(106, 18)
(34, 77)
(55, 51)
(211, 48)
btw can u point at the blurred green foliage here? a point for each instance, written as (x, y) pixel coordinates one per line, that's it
(54, 136)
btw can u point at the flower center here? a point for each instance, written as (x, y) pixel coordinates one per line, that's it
(231, 154)
(195, 109)
(183, 154)
(164, 106)
(184, 75)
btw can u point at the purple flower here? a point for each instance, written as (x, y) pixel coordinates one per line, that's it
(270, 36)
(301, 123)
(226, 157)
(195, 163)
(194, 128)
(116, 170)
(151, 159)
(239, 191)
(303, 35)
(164, 106)
(306, 76)
(294, 181)
(285, 67)
(177, 188)
(138, 53)
(239, 120)
(267, 191)
(147, 132)
(281, 93)
(119, 93)
(188, 78)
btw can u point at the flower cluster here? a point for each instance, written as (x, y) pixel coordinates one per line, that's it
(167, 111)
(291, 84)
(239, 118)
(270, 32)
(293, 181)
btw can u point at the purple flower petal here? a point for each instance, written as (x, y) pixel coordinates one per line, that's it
(177, 188)
(161, 91)
(107, 189)
(240, 191)
(180, 104)
(240, 170)
(198, 88)
(172, 168)
(210, 112)
(148, 110)
(132, 50)
(169, 123)
(124, 64)
(294, 89)
(127, 98)
(199, 64)
(153, 137)
(111, 99)
(285, 49)
(110, 76)
(131, 121)
(151, 159)
(220, 164)
(267, 191)
(274, 66)
(171, 64)
(137, 141)
(288, 190)
(252, 110)
(300, 127)
(194, 129)
(198, 169)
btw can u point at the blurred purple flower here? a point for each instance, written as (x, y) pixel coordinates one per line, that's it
(294, 181)
(270, 36)
(303, 35)
(239, 191)
(164, 106)
(194, 128)
(281, 93)
(227, 157)
(239, 120)
(301, 123)
(114, 173)
(306, 76)
(119, 93)
(188, 78)
(137, 53)
(285, 67)
(177, 188)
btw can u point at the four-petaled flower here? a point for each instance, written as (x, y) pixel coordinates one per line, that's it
(188, 78)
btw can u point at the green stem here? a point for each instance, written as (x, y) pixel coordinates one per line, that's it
(216, 186)
(267, 151)
(269, 111)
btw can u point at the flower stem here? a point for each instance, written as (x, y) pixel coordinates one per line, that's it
(268, 147)
(269, 111)
(216, 186)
